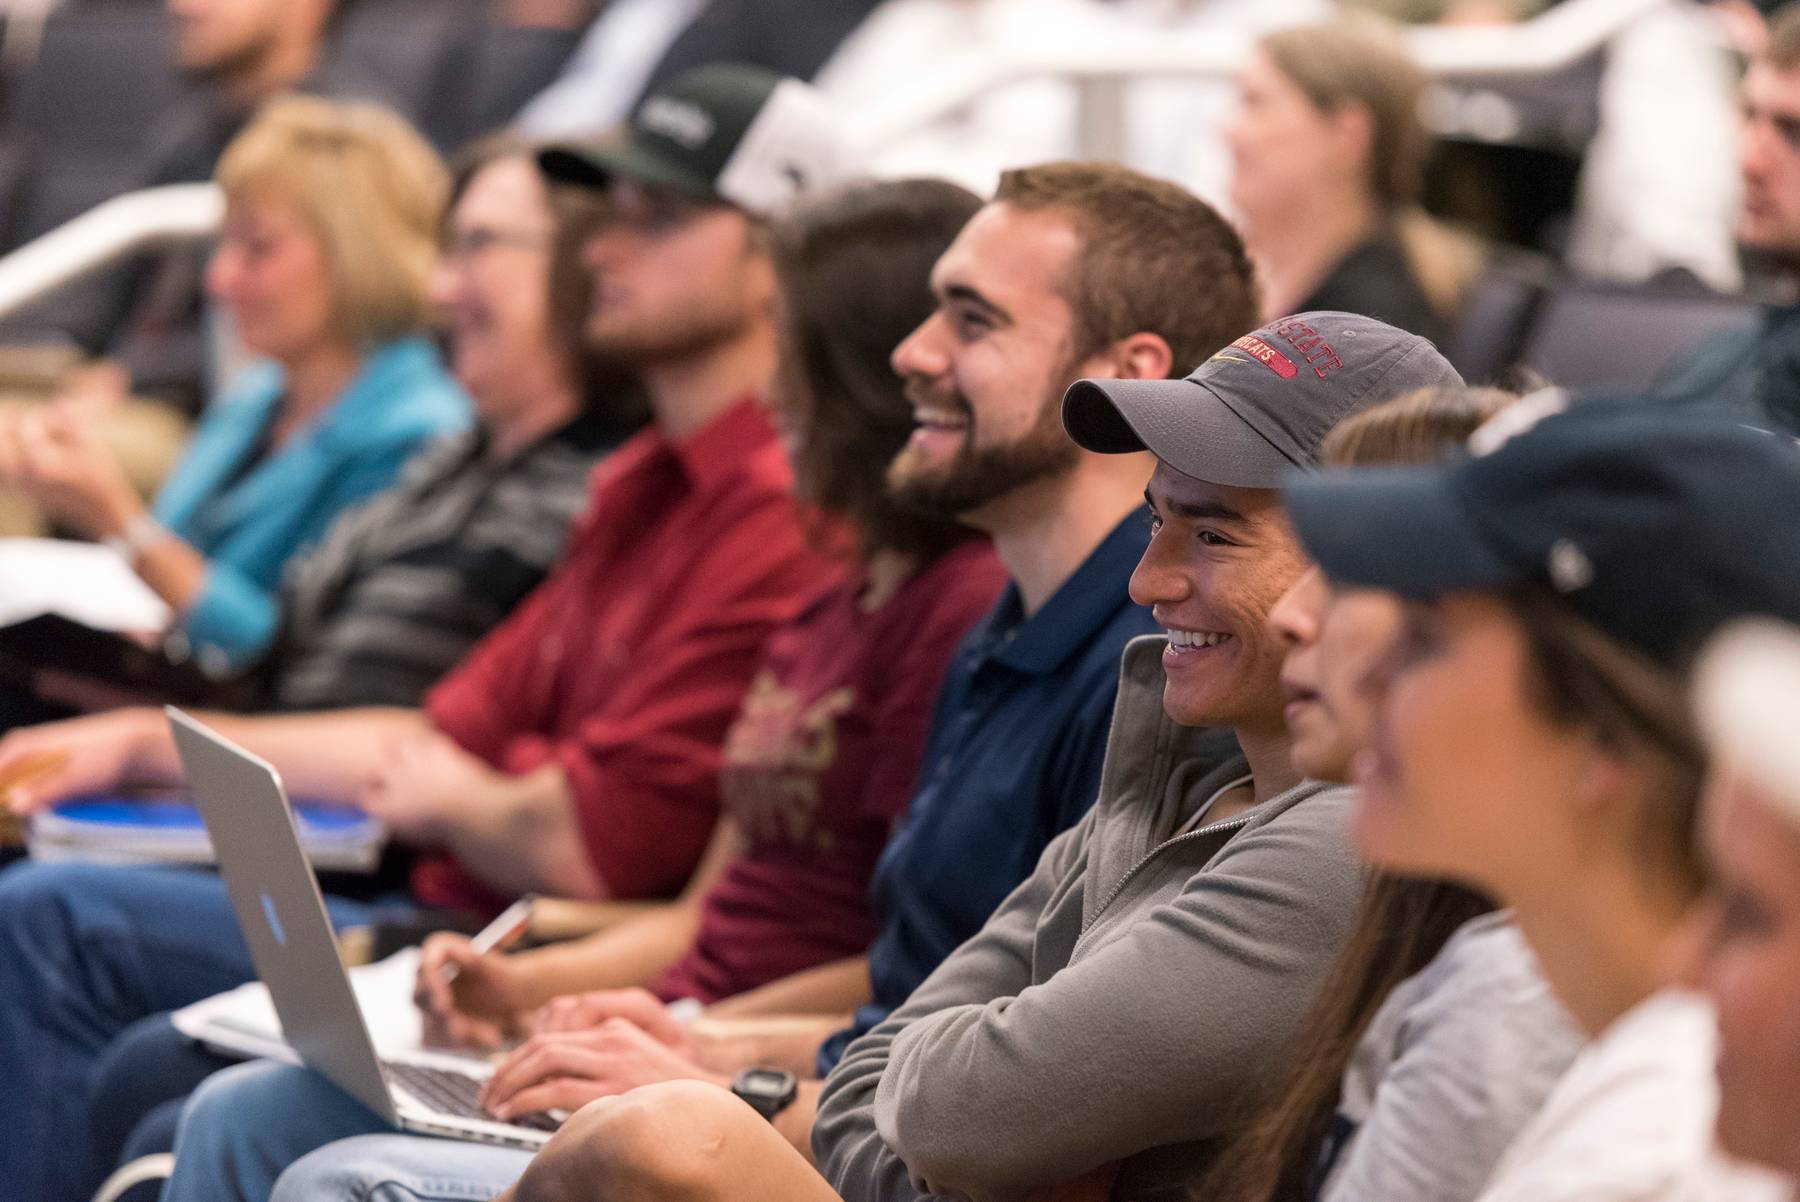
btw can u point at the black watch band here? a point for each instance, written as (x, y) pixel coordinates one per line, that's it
(769, 1091)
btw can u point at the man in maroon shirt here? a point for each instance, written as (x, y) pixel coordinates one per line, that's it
(576, 750)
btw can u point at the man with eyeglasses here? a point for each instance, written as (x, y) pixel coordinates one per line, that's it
(1753, 374)
(576, 750)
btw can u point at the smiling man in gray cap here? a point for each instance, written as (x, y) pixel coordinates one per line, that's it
(1111, 1016)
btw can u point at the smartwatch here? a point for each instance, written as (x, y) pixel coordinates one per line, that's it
(769, 1091)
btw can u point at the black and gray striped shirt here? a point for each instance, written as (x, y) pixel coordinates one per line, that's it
(401, 587)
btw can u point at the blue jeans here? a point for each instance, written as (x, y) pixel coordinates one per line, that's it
(248, 1124)
(401, 1168)
(85, 951)
(140, 1084)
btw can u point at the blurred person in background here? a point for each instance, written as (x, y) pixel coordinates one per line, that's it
(404, 584)
(1742, 945)
(1169, 128)
(1752, 374)
(1533, 740)
(1328, 158)
(1435, 1028)
(323, 261)
(634, 47)
(577, 749)
(818, 765)
(148, 316)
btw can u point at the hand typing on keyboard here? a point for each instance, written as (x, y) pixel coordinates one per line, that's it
(565, 1070)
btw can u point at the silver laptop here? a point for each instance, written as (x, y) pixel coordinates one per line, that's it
(282, 914)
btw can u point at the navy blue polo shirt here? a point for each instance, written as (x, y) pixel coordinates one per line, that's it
(1012, 760)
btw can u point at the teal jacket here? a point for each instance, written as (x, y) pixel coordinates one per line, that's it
(249, 523)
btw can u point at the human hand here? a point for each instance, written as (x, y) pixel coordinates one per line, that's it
(565, 1070)
(53, 454)
(584, 1011)
(422, 785)
(481, 1006)
(94, 390)
(43, 765)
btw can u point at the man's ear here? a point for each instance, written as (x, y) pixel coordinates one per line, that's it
(1142, 356)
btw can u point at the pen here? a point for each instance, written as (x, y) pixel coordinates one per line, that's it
(499, 934)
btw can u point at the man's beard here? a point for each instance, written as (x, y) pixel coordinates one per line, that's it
(976, 476)
(651, 344)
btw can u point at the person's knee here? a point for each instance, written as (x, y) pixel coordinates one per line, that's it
(662, 1141)
(235, 1100)
(40, 925)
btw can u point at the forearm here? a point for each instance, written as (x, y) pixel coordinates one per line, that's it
(327, 756)
(789, 1042)
(173, 569)
(524, 838)
(835, 989)
(632, 953)
(796, 1122)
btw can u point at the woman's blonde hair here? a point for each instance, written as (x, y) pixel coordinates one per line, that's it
(1363, 62)
(370, 188)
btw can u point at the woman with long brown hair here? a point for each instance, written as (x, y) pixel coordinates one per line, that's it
(1328, 160)
(1533, 740)
(1392, 1067)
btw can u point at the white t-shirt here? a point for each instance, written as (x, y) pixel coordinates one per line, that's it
(1633, 1121)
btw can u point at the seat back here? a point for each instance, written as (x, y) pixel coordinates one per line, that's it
(1607, 336)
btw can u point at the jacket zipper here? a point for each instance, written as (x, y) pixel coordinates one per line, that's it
(1230, 824)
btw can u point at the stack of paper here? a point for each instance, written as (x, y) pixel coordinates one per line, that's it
(123, 830)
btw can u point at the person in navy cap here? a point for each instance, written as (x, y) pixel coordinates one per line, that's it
(1534, 739)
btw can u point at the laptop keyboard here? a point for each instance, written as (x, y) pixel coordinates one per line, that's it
(454, 1093)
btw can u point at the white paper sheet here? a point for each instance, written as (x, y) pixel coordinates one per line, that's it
(84, 582)
(243, 1019)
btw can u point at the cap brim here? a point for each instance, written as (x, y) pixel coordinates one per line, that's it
(597, 164)
(1399, 529)
(1185, 424)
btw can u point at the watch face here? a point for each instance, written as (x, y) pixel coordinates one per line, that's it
(768, 1090)
(763, 1081)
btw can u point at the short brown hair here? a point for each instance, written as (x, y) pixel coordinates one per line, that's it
(1782, 51)
(1154, 259)
(370, 188)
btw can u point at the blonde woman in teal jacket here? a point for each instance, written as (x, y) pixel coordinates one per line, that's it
(330, 228)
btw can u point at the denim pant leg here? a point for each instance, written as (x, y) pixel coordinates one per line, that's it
(139, 1083)
(401, 1168)
(85, 951)
(248, 1123)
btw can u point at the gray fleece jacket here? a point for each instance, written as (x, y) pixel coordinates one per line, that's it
(1121, 1002)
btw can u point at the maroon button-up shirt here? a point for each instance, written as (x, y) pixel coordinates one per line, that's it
(626, 666)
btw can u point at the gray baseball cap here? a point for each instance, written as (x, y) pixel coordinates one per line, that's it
(1262, 406)
(726, 132)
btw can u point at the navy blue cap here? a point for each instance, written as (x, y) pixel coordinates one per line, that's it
(1655, 527)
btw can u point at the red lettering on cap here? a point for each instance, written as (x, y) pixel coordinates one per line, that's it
(1312, 346)
(1267, 355)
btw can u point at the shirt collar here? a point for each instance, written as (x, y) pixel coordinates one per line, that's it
(718, 450)
(1077, 611)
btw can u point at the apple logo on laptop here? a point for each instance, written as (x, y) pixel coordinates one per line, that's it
(275, 927)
